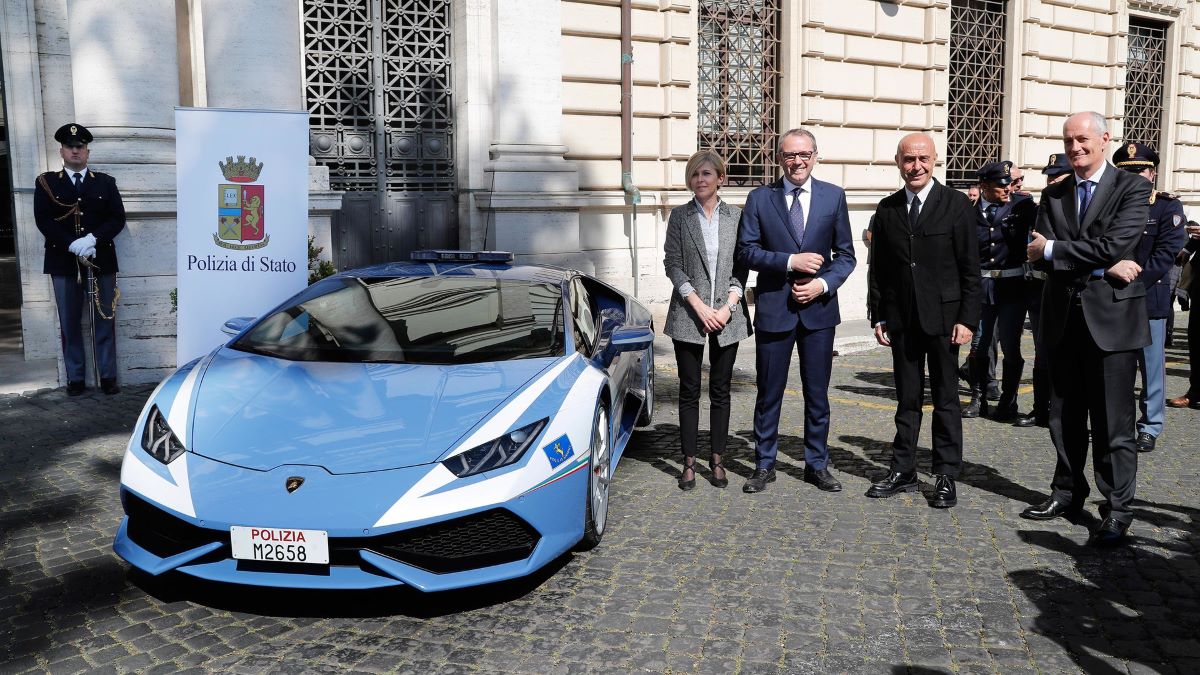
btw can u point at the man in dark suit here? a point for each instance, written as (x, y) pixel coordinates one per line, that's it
(795, 233)
(924, 295)
(1094, 324)
(79, 211)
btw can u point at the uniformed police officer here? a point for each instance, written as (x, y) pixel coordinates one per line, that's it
(79, 211)
(1057, 168)
(1004, 220)
(1162, 239)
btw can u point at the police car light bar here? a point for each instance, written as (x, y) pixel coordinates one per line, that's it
(444, 255)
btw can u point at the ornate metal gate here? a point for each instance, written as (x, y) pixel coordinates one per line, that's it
(976, 106)
(378, 86)
(1144, 77)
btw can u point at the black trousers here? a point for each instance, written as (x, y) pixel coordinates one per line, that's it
(690, 359)
(1041, 371)
(911, 348)
(1089, 383)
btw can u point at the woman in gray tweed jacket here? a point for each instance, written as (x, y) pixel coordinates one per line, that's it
(705, 307)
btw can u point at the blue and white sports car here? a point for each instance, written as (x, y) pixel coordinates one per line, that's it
(437, 424)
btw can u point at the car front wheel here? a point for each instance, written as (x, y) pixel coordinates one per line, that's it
(599, 477)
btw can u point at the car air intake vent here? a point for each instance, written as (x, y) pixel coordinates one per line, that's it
(478, 540)
(161, 533)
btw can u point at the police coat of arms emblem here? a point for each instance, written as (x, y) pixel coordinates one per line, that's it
(241, 225)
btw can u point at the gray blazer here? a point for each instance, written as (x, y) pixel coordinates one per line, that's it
(686, 260)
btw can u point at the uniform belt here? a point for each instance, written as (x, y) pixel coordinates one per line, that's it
(1004, 274)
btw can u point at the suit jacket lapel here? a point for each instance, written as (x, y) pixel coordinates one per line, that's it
(726, 241)
(697, 234)
(1100, 196)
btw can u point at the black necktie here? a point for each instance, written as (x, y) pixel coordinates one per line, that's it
(990, 213)
(78, 180)
(914, 210)
(796, 215)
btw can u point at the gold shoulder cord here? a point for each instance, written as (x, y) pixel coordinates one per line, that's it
(94, 291)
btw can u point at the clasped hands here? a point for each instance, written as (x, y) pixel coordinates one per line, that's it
(85, 246)
(807, 289)
(1125, 271)
(712, 320)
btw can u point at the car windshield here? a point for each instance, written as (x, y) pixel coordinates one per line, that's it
(427, 320)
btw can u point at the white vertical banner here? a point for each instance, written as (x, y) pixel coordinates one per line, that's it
(242, 181)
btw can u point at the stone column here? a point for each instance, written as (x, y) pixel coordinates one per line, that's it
(252, 54)
(533, 190)
(125, 78)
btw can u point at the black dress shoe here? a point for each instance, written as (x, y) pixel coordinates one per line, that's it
(944, 494)
(1029, 419)
(978, 407)
(75, 388)
(1051, 509)
(109, 385)
(822, 479)
(689, 484)
(1145, 442)
(893, 484)
(1110, 533)
(757, 482)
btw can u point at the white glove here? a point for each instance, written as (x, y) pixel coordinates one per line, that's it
(81, 244)
(89, 252)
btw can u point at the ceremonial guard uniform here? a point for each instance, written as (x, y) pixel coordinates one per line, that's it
(79, 211)
(1162, 239)
(1004, 221)
(1057, 168)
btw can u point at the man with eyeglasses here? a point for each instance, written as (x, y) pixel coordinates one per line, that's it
(1094, 324)
(795, 232)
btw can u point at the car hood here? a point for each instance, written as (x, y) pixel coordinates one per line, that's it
(261, 412)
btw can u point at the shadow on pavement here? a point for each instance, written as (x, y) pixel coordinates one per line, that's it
(1131, 603)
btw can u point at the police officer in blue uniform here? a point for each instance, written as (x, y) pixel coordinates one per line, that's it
(1162, 239)
(1057, 168)
(79, 211)
(1004, 221)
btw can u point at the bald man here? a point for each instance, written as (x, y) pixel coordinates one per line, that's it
(924, 295)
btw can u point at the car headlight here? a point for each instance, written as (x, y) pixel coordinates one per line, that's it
(495, 453)
(158, 440)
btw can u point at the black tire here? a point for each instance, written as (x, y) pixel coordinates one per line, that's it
(646, 416)
(595, 516)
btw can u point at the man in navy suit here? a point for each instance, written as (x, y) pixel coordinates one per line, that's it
(795, 233)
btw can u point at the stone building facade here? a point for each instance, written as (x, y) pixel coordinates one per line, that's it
(532, 131)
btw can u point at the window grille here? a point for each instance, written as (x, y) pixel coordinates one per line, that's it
(378, 86)
(739, 85)
(1145, 73)
(976, 98)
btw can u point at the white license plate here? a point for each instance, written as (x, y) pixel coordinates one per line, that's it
(276, 544)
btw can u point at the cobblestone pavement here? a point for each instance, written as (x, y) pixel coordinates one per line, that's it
(791, 580)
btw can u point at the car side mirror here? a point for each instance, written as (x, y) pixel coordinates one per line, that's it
(236, 325)
(631, 339)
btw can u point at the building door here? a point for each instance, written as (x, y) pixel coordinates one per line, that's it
(378, 88)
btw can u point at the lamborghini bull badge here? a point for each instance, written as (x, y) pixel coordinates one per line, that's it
(240, 205)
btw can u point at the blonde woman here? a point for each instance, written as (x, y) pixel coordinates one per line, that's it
(706, 307)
